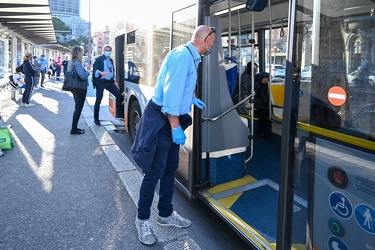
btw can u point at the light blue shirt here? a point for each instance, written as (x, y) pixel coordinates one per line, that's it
(176, 80)
(43, 63)
(108, 67)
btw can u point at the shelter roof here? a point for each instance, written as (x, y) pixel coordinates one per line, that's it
(28, 19)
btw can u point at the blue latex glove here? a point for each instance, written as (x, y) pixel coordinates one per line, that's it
(178, 136)
(199, 103)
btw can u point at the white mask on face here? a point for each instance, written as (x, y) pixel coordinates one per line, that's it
(209, 50)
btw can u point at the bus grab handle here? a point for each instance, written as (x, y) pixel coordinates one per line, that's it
(211, 119)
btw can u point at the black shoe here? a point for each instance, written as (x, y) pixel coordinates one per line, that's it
(41, 86)
(97, 123)
(77, 131)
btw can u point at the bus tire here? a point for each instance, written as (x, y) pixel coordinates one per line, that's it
(134, 119)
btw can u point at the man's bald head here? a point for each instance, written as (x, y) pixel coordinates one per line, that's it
(203, 38)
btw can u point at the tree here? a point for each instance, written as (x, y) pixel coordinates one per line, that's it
(73, 42)
(83, 41)
(60, 27)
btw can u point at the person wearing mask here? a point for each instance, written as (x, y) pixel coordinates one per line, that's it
(162, 126)
(243, 88)
(28, 70)
(43, 69)
(58, 68)
(65, 64)
(37, 66)
(104, 78)
(261, 105)
(79, 98)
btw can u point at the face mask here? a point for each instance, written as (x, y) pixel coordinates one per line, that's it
(208, 51)
(107, 53)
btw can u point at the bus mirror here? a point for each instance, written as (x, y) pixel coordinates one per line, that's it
(256, 5)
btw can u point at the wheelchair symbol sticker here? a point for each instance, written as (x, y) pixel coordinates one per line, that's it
(365, 217)
(340, 205)
(335, 243)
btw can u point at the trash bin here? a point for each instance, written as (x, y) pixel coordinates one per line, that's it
(231, 71)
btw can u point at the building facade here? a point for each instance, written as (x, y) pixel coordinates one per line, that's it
(69, 11)
(101, 38)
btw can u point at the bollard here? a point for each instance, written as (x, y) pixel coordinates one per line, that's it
(13, 95)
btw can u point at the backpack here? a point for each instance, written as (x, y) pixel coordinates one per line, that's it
(12, 82)
(21, 67)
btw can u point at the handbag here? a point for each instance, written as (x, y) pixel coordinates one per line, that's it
(73, 83)
(6, 141)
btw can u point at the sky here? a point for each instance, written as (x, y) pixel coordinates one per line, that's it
(107, 12)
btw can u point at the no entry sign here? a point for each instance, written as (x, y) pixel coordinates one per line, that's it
(337, 96)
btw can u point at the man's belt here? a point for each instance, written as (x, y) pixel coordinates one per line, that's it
(106, 81)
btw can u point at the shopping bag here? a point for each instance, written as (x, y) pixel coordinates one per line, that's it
(5, 139)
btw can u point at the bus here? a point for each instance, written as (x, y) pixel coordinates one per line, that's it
(312, 185)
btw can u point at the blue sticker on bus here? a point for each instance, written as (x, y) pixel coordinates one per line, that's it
(365, 217)
(335, 243)
(340, 205)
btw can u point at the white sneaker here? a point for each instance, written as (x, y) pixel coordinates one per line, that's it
(29, 105)
(1, 153)
(145, 234)
(174, 220)
(23, 104)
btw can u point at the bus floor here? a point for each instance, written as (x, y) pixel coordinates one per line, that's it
(254, 198)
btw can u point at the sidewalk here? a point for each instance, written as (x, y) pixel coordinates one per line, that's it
(63, 191)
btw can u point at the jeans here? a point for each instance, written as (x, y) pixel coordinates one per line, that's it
(36, 81)
(58, 72)
(163, 167)
(27, 93)
(113, 89)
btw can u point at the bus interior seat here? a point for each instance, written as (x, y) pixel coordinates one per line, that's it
(231, 69)
(277, 86)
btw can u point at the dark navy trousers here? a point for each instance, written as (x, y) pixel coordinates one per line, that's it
(113, 89)
(163, 167)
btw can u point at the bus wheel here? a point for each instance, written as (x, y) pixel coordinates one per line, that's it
(134, 119)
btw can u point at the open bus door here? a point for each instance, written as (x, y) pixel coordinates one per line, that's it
(118, 51)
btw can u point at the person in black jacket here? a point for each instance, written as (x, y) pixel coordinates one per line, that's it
(104, 78)
(261, 105)
(243, 88)
(28, 70)
(65, 65)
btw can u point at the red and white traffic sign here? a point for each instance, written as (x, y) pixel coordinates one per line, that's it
(337, 96)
